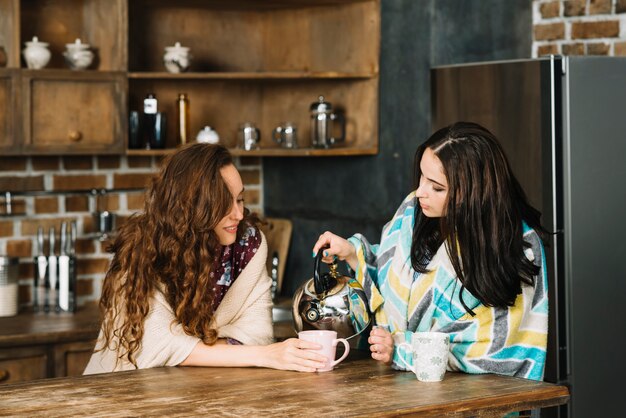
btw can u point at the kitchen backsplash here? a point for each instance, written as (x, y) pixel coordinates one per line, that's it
(18, 231)
(579, 27)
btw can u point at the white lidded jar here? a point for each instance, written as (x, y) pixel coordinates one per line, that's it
(36, 54)
(208, 135)
(176, 58)
(78, 55)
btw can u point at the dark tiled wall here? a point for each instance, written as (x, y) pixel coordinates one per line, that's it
(359, 194)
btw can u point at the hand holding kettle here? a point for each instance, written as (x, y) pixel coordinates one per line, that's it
(380, 340)
(338, 247)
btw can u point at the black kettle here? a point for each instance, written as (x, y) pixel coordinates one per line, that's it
(330, 301)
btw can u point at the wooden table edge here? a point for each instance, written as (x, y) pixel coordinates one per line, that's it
(487, 406)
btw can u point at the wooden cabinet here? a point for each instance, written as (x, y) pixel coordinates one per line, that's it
(73, 113)
(71, 359)
(253, 61)
(24, 363)
(8, 97)
(37, 346)
(56, 110)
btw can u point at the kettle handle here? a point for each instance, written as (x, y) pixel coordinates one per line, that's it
(317, 279)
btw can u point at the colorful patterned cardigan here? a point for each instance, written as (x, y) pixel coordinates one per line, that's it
(504, 341)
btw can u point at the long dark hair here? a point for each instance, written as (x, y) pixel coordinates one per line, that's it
(482, 221)
(172, 247)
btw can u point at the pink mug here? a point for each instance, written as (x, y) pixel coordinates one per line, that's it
(328, 340)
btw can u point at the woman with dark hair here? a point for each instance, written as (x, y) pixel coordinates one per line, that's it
(462, 255)
(187, 284)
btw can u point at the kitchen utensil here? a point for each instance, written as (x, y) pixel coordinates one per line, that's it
(36, 54)
(64, 270)
(330, 301)
(8, 285)
(40, 301)
(249, 136)
(67, 267)
(53, 285)
(286, 135)
(323, 119)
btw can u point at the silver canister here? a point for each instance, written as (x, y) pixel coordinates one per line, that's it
(249, 136)
(286, 135)
(8, 286)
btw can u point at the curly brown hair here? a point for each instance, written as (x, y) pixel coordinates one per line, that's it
(170, 247)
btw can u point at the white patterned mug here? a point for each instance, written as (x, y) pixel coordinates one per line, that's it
(429, 351)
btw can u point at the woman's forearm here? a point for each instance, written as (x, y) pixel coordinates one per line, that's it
(224, 355)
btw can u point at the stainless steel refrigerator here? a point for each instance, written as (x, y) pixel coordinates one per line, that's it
(562, 122)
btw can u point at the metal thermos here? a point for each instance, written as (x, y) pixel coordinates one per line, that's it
(182, 119)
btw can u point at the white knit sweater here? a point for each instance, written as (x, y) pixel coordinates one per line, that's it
(244, 314)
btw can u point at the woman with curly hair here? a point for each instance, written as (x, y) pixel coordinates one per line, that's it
(187, 284)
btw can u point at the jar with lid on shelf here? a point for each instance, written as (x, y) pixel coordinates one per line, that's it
(36, 54)
(78, 55)
(208, 135)
(176, 58)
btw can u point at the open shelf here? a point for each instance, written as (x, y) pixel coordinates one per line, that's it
(278, 75)
(272, 152)
(263, 62)
(101, 24)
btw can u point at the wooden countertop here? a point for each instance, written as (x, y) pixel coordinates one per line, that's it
(357, 387)
(38, 328)
(35, 328)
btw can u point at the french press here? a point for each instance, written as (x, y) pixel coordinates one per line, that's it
(322, 122)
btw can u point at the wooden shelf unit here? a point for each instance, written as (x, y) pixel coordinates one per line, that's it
(255, 61)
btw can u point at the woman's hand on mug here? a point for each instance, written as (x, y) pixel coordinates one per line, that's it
(381, 345)
(339, 247)
(294, 354)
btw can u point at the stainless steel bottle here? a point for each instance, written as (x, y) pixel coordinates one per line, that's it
(182, 119)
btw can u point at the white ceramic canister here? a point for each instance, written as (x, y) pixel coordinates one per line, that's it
(78, 55)
(176, 58)
(8, 286)
(208, 136)
(36, 54)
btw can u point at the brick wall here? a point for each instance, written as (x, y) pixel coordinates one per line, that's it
(579, 27)
(17, 232)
